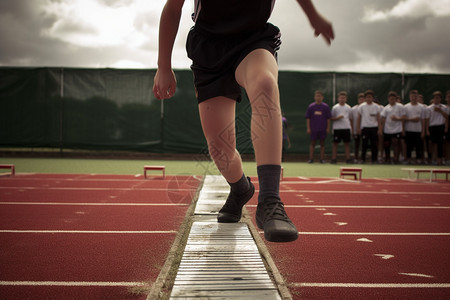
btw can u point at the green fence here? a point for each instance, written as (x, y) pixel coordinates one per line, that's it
(113, 109)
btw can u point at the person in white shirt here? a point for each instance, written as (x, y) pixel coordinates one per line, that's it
(354, 118)
(414, 127)
(426, 140)
(342, 126)
(391, 126)
(437, 125)
(368, 123)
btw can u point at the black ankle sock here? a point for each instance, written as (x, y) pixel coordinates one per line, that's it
(241, 186)
(269, 182)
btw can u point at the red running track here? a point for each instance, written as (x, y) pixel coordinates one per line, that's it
(378, 239)
(87, 236)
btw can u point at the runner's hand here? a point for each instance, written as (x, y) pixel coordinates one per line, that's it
(164, 84)
(322, 27)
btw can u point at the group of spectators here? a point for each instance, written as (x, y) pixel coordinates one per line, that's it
(392, 132)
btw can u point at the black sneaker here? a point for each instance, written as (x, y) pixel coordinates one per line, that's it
(271, 216)
(231, 212)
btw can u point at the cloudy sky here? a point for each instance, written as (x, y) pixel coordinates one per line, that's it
(371, 36)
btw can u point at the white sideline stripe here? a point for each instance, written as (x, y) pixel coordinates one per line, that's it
(363, 192)
(376, 233)
(372, 285)
(361, 206)
(379, 233)
(91, 231)
(188, 190)
(71, 283)
(92, 189)
(93, 204)
(384, 181)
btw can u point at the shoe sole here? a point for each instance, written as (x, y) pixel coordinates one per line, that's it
(277, 237)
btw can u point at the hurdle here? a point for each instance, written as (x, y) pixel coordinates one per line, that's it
(354, 172)
(155, 168)
(9, 166)
(435, 172)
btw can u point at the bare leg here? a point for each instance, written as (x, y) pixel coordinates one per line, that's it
(258, 74)
(217, 118)
(347, 151)
(312, 146)
(322, 150)
(334, 151)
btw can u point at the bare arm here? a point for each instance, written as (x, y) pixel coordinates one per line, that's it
(164, 84)
(319, 23)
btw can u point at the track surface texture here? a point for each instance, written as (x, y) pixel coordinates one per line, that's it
(87, 236)
(68, 236)
(374, 239)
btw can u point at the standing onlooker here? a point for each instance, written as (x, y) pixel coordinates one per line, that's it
(391, 127)
(286, 139)
(402, 143)
(414, 127)
(380, 144)
(426, 139)
(447, 136)
(437, 124)
(318, 117)
(342, 126)
(368, 123)
(354, 117)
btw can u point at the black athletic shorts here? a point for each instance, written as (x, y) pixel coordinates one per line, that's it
(215, 59)
(341, 134)
(437, 134)
(388, 137)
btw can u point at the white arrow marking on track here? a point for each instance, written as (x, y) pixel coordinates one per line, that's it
(340, 223)
(417, 275)
(385, 256)
(364, 240)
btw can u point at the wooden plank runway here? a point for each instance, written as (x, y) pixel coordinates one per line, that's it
(220, 260)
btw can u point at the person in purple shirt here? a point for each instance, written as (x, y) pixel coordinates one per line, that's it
(318, 116)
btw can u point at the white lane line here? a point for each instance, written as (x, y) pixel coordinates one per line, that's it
(40, 188)
(377, 181)
(371, 285)
(92, 231)
(379, 233)
(188, 190)
(93, 204)
(376, 233)
(364, 192)
(366, 206)
(72, 283)
(322, 207)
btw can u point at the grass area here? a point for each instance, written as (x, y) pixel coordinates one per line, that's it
(175, 167)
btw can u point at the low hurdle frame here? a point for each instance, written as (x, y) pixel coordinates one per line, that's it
(9, 166)
(155, 168)
(354, 172)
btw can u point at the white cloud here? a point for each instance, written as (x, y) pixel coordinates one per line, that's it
(128, 64)
(367, 62)
(124, 34)
(92, 24)
(410, 9)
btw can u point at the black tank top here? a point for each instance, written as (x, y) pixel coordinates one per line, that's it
(231, 17)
